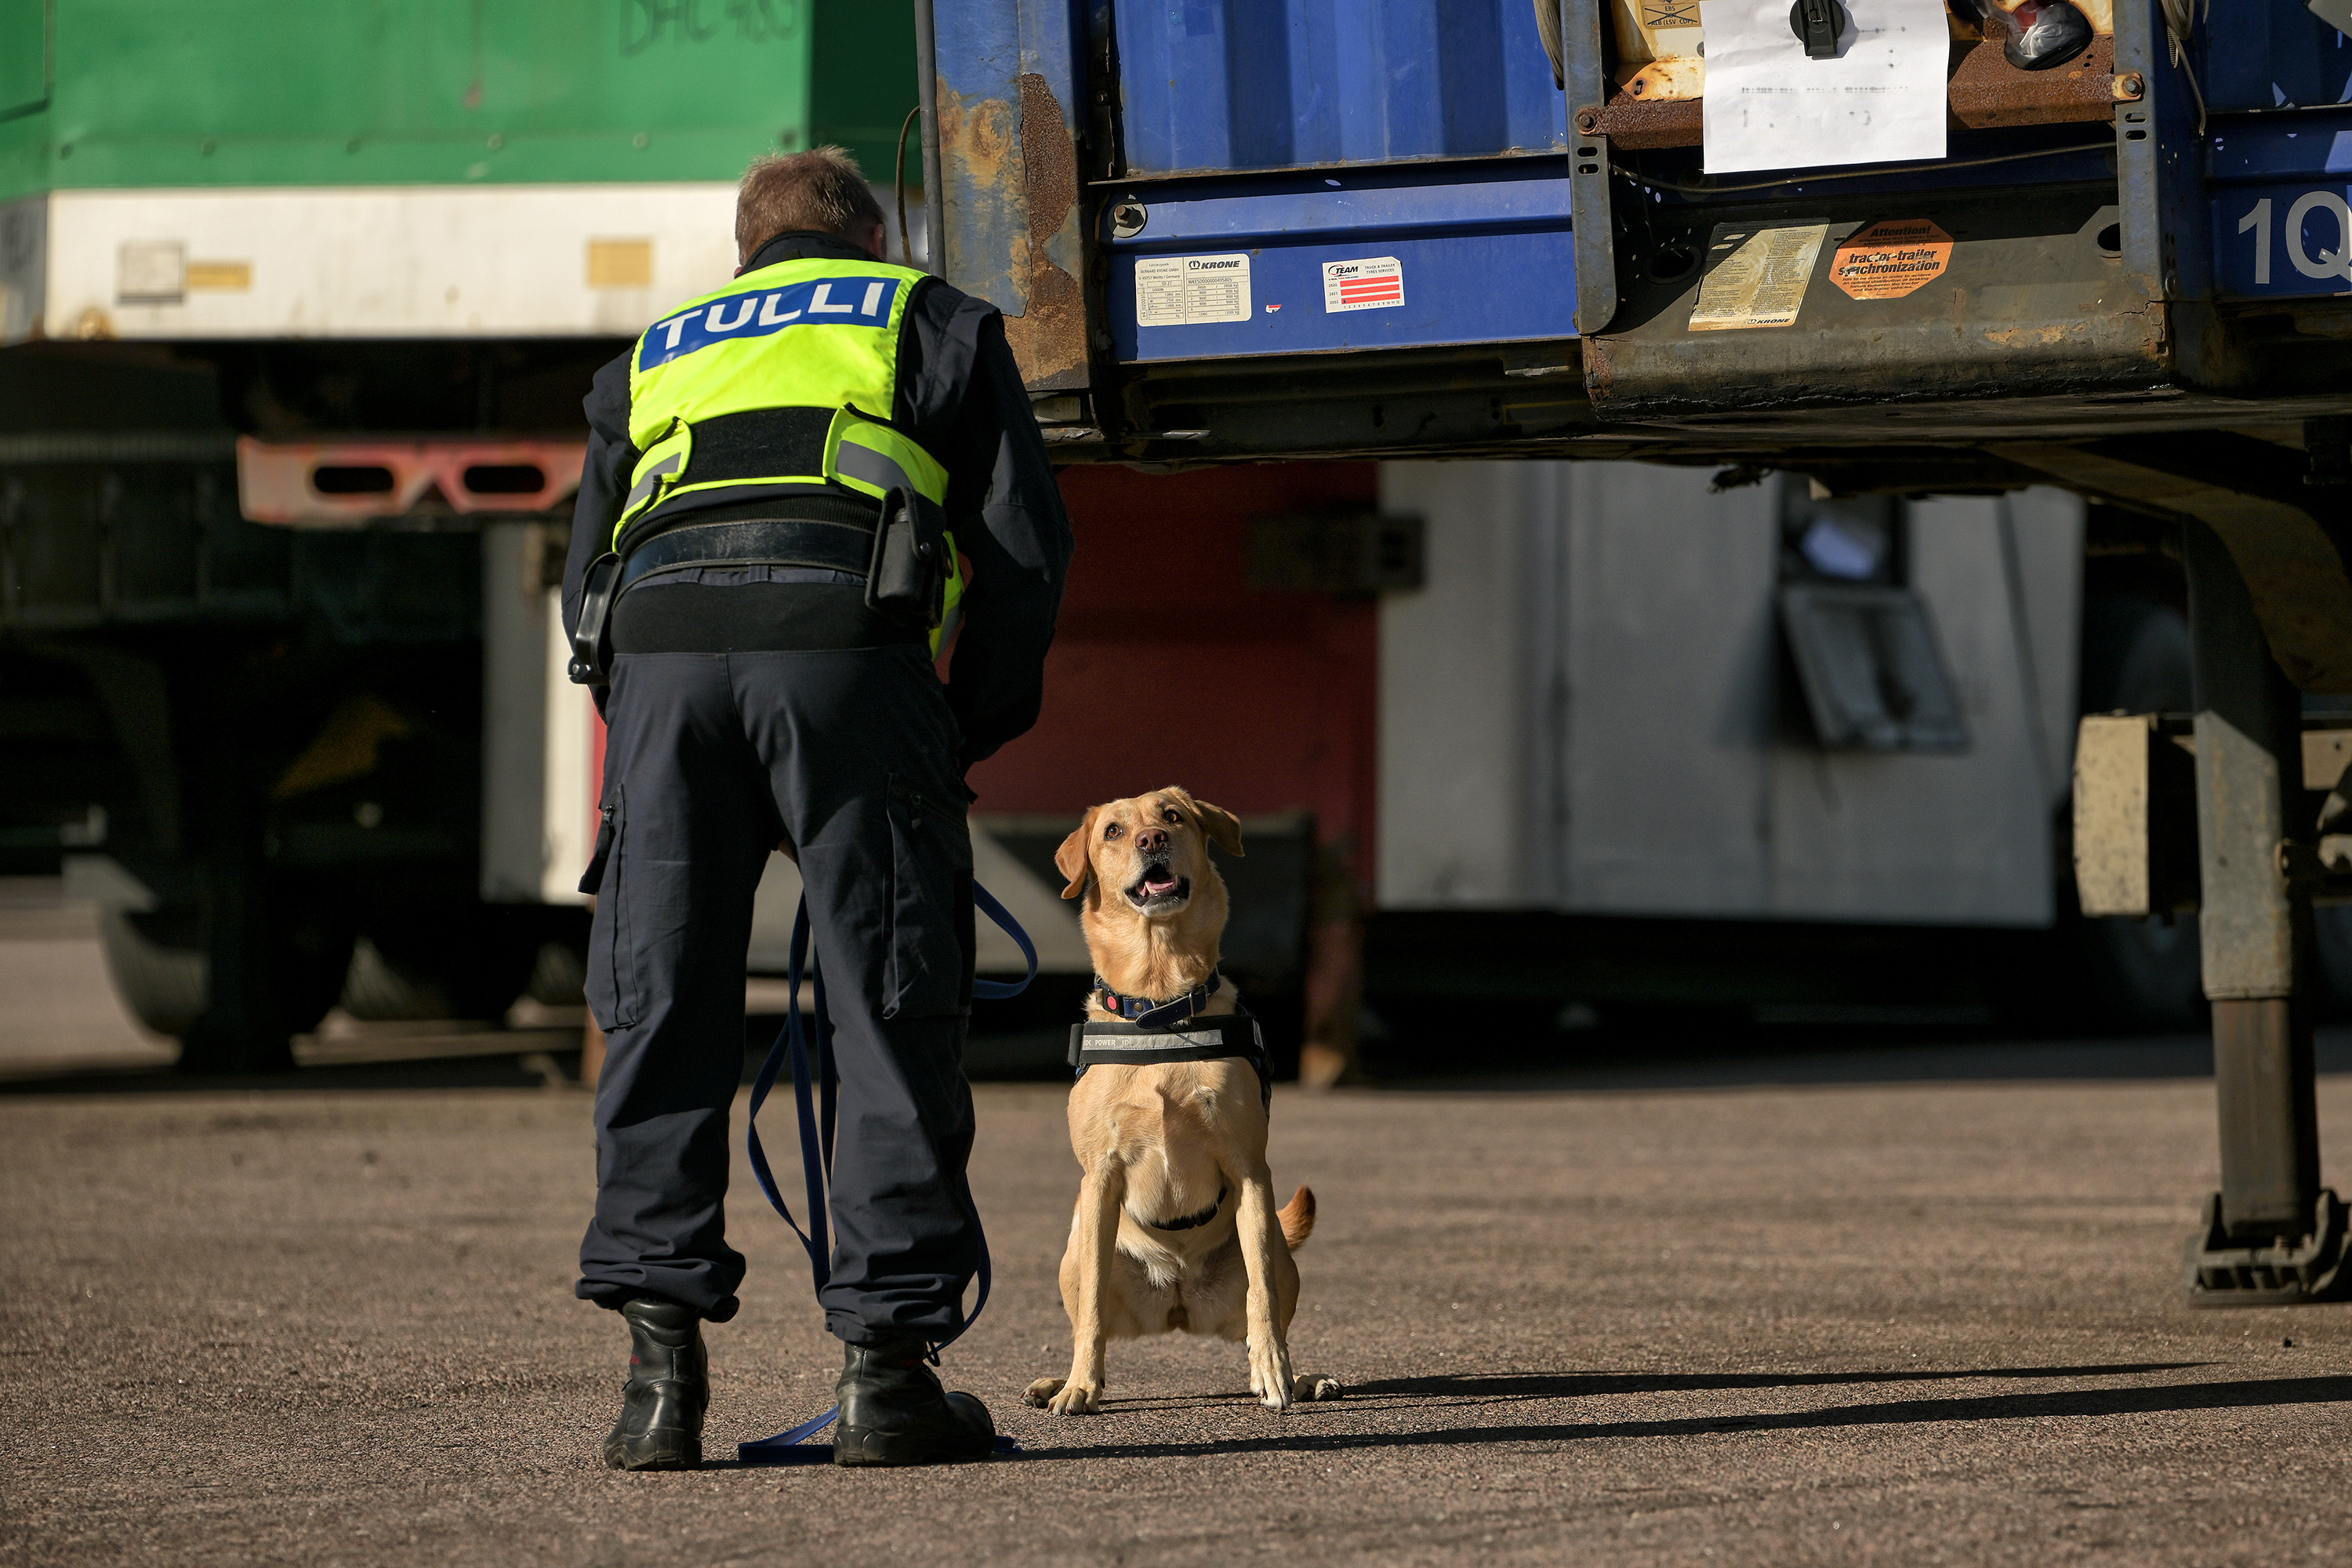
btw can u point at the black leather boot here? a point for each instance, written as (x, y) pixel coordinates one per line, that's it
(669, 1386)
(894, 1411)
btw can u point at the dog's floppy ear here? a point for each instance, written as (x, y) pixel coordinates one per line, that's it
(1070, 859)
(1224, 829)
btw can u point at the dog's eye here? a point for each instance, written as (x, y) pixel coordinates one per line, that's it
(1113, 831)
(1170, 814)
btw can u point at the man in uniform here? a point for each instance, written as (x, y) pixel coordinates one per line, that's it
(782, 482)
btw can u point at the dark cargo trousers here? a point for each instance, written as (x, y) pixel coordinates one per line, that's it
(710, 759)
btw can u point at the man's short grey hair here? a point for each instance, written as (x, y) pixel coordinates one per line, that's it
(820, 189)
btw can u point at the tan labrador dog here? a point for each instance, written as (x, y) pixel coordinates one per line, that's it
(1175, 1227)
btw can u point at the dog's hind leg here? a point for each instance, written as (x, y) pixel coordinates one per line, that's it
(1273, 1291)
(1093, 1245)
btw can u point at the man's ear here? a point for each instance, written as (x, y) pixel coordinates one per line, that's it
(1070, 859)
(1224, 828)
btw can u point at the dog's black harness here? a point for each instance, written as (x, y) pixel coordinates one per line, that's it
(1221, 1038)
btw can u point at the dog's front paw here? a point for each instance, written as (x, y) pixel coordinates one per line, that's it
(1314, 1386)
(1270, 1377)
(1037, 1392)
(1069, 1398)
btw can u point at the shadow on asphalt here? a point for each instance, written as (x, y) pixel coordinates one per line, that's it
(2243, 1395)
(1575, 1385)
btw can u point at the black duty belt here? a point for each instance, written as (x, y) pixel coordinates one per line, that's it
(837, 546)
(765, 542)
(1196, 1039)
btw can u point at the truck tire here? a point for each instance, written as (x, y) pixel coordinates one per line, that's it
(2147, 975)
(157, 964)
(468, 962)
(378, 991)
(559, 975)
(305, 937)
(2332, 942)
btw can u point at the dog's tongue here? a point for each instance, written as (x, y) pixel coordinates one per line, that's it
(1160, 882)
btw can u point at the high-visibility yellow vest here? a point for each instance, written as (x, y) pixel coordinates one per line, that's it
(786, 376)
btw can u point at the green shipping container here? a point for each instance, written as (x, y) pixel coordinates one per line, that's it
(407, 168)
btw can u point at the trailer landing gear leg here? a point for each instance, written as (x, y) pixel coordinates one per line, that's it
(2272, 1236)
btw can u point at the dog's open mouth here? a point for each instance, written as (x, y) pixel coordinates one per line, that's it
(1159, 888)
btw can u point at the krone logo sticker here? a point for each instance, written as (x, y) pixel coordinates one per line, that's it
(1890, 258)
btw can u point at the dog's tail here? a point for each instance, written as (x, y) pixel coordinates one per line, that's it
(1297, 1218)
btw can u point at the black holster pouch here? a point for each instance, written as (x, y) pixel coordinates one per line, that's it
(592, 639)
(908, 578)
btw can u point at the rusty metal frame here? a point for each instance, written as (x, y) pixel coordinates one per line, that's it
(1001, 146)
(1593, 227)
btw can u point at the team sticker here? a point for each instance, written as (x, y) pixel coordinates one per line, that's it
(1373, 283)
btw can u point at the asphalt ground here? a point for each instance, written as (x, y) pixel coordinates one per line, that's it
(1880, 1306)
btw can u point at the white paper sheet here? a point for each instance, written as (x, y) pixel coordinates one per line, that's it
(1880, 102)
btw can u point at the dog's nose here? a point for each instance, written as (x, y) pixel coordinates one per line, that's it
(1152, 841)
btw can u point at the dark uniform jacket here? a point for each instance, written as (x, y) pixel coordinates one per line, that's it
(960, 394)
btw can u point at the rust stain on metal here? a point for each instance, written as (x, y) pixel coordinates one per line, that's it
(976, 162)
(1639, 122)
(2030, 337)
(979, 136)
(1985, 90)
(1013, 193)
(1050, 337)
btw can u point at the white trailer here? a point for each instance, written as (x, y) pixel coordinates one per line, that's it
(1625, 692)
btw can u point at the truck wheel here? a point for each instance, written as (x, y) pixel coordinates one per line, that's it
(2148, 974)
(157, 963)
(559, 975)
(468, 962)
(2332, 955)
(299, 946)
(378, 991)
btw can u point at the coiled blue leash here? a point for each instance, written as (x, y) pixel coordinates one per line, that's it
(814, 1082)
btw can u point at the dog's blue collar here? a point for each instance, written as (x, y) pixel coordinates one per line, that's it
(1146, 1011)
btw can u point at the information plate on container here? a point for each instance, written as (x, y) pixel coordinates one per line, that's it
(1191, 291)
(1756, 276)
(1373, 283)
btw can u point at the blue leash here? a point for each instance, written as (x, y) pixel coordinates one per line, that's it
(814, 1082)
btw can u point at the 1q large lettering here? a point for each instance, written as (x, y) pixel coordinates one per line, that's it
(2315, 234)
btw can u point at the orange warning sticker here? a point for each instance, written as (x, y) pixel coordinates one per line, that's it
(1890, 258)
